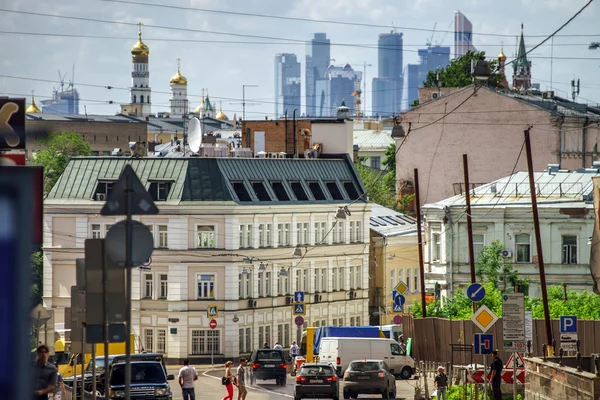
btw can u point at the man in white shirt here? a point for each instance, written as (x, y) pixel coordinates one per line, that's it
(277, 346)
(187, 377)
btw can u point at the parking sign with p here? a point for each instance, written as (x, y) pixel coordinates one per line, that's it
(568, 324)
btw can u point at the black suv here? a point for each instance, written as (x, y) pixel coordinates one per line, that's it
(268, 364)
(317, 380)
(148, 381)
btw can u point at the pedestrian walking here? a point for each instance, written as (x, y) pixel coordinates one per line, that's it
(294, 349)
(277, 346)
(440, 383)
(187, 376)
(228, 380)
(45, 376)
(266, 346)
(241, 380)
(496, 375)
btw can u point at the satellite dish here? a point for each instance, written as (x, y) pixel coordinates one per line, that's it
(195, 135)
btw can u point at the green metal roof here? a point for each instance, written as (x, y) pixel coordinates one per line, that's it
(212, 179)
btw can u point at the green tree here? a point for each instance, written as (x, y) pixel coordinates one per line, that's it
(389, 162)
(458, 73)
(378, 191)
(59, 147)
(414, 103)
(491, 266)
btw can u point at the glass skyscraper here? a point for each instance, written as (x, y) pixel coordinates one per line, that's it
(387, 87)
(463, 35)
(430, 59)
(318, 56)
(287, 84)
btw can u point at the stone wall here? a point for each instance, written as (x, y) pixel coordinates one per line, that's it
(546, 380)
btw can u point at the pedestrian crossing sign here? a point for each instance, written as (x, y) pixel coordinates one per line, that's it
(397, 307)
(213, 311)
(299, 309)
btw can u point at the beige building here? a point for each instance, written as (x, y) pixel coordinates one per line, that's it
(230, 232)
(393, 258)
(489, 126)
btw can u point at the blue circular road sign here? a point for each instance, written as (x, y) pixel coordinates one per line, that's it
(475, 292)
(299, 320)
(400, 300)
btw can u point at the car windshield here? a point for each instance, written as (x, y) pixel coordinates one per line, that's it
(140, 373)
(99, 365)
(316, 370)
(364, 366)
(269, 356)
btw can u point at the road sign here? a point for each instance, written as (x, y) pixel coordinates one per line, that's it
(484, 343)
(484, 318)
(475, 292)
(520, 362)
(213, 323)
(12, 124)
(507, 376)
(141, 201)
(212, 311)
(299, 309)
(141, 247)
(39, 315)
(401, 287)
(298, 297)
(475, 376)
(299, 320)
(478, 376)
(397, 319)
(513, 322)
(397, 307)
(400, 300)
(568, 324)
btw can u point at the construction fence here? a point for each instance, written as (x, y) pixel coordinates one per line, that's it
(432, 338)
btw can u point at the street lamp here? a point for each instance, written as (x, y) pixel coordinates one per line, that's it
(297, 252)
(342, 213)
(244, 100)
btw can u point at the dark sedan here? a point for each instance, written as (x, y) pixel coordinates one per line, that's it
(369, 377)
(316, 380)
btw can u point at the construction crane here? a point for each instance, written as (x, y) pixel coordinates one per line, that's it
(441, 42)
(430, 41)
(364, 79)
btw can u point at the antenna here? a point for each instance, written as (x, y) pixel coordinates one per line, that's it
(194, 135)
(574, 89)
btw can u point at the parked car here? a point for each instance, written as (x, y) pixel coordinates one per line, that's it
(341, 350)
(148, 381)
(317, 380)
(369, 377)
(268, 364)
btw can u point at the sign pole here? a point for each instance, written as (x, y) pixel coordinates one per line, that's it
(515, 375)
(128, 266)
(485, 376)
(94, 371)
(82, 360)
(76, 355)
(420, 243)
(105, 318)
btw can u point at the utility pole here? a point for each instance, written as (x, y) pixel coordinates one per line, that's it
(244, 100)
(538, 242)
(469, 222)
(420, 243)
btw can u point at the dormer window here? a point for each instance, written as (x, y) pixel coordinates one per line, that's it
(159, 190)
(103, 190)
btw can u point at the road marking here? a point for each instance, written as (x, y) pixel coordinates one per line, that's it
(258, 389)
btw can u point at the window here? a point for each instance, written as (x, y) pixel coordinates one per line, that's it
(392, 279)
(351, 321)
(248, 340)
(357, 321)
(260, 191)
(416, 279)
(339, 235)
(148, 286)
(141, 98)
(358, 280)
(299, 191)
(261, 335)
(478, 244)
(205, 342)
(161, 341)
(376, 162)
(408, 281)
(316, 190)
(355, 231)
(240, 191)
(286, 335)
(569, 249)
(246, 236)
(163, 242)
(268, 283)
(302, 233)
(261, 283)
(163, 286)
(436, 247)
(340, 321)
(205, 236)
(159, 190)
(341, 279)
(245, 285)
(523, 248)
(206, 286)
(334, 322)
(334, 191)
(268, 334)
(334, 280)
(103, 189)
(352, 277)
(305, 287)
(284, 234)
(96, 231)
(282, 285)
(155, 340)
(149, 340)
(320, 231)
(323, 284)
(280, 191)
(265, 235)
(351, 190)
(241, 342)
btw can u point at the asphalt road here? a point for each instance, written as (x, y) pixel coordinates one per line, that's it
(208, 386)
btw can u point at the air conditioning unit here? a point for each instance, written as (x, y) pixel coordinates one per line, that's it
(506, 253)
(352, 294)
(289, 300)
(434, 95)
(252, 303)
(100, 196)
(318, 298)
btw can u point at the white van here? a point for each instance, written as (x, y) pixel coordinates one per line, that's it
(340, 351)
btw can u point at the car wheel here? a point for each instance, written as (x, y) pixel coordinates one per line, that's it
(406, 373)
(282, 381)
(386, 393)
(346, 394)
(355, 395)
(393, 394)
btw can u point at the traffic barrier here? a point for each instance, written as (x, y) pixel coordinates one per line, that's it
(478, 376)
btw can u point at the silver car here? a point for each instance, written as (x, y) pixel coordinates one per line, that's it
(369, 377)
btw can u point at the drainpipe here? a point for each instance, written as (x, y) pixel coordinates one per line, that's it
(450, 244)
(295, 141)
(560, 139)
(584, 137)
(286, 133)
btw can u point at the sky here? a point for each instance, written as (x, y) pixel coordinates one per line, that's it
(223, 58)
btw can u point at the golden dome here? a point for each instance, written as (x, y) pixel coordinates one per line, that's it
(140, 49)
(33, 108)
(178, 79)
(200, 108)
(220, 115)
(501, 56)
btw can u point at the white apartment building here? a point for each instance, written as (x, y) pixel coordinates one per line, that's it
(225, 235)
(501, 211)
